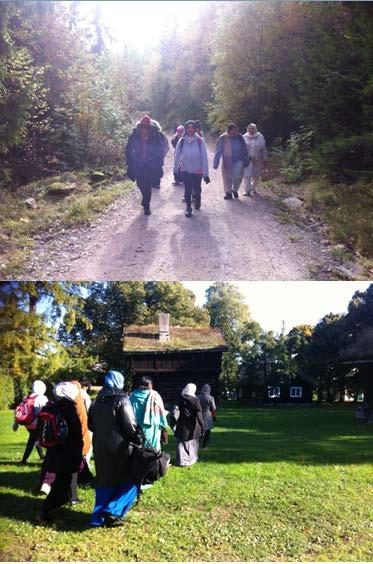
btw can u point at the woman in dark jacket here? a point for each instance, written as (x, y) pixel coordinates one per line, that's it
(112, 420)
(189, 427)
(63, 460)
(145, 155)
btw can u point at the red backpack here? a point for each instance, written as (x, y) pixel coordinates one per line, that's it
(24, 412)
(52, 429)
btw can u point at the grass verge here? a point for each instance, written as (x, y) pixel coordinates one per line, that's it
(276, 484)
(56, 211)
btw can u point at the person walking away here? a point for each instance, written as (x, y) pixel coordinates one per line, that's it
(85, 388)
(33, 403)
(114, 426)
(231, 147)
(87, 441)
(178, 179)
(149, 412)
(145, 154)
(189, 427)
(208, 412)
(156, 182)
(64, 458)
(191, 159)
(256, 147)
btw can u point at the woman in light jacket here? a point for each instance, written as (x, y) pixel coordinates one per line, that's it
(256, 147)
(191, 160)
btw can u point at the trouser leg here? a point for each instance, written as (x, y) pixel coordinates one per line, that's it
(188, 183)
(30, 445)
(74, 486)
(144, 182)
(197, 181)
(227, 180)
(237, 175)
(206, 438)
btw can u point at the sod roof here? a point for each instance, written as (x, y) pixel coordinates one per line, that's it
(144, 338)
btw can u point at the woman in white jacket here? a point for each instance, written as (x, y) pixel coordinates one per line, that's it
(256, 147)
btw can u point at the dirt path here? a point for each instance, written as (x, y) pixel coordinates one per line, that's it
(226, 240)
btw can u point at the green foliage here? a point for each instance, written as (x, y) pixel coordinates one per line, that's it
(296, 162)
(6, 391)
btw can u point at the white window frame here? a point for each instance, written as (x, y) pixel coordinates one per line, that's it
(294, 391)
(274, 392)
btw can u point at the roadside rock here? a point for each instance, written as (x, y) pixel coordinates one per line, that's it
(293, 203)
(31, 203)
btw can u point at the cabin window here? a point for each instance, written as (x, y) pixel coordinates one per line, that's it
(295, 392)
(274, 392)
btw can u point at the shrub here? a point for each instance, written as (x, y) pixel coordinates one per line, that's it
(6, 391)
(296, 159)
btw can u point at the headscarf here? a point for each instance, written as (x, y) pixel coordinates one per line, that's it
(180, 129)
(38, 387)
(66, 390)
(206, 389)
(114, 379)
(189, 390)
(255, 134)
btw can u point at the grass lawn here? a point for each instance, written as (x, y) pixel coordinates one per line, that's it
(276, 484)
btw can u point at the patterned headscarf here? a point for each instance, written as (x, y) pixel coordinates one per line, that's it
(66, 390)
(114, 379)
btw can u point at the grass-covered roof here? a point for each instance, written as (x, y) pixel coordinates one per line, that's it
(142, 338)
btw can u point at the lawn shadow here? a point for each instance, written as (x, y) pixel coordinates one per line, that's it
(26, 507)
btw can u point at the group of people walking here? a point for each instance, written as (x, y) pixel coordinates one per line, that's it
(242, 156)
(114, 423)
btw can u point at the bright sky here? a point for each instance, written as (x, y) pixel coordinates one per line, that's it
(141, 24)
(295, 303)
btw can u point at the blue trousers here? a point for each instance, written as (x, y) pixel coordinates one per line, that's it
(112, 501)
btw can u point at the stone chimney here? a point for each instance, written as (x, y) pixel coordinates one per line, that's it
(164, 326)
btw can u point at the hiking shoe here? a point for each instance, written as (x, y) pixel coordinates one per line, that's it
(247, 194)
(147, 211)
(228, 196)
(235, 195)
(42, 519)
(188, 213)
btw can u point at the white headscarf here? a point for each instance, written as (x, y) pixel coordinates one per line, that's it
(38, 387)
(255, 134)
(189, 390)
(66, 390)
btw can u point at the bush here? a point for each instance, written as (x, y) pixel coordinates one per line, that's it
(345, 158)
(296, 159)
(6, 391)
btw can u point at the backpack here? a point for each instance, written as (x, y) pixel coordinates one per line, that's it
(146, 465)
(52, 429)
(24, 412)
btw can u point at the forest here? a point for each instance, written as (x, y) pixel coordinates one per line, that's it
(303, 71)
(62, 330)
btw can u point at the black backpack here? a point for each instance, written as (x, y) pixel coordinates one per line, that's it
(146, 465)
